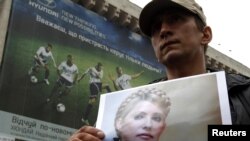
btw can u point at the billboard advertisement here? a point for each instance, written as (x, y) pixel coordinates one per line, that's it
(58, 59)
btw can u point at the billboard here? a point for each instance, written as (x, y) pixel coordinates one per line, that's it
(45, 39)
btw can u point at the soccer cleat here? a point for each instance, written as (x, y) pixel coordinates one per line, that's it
(46, 81)
(86, 122)
(82, 119)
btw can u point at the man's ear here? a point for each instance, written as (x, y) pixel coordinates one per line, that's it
(207, 35)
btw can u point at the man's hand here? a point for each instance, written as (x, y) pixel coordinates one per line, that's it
(87, 133)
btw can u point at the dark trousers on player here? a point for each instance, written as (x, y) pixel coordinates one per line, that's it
(95, 90)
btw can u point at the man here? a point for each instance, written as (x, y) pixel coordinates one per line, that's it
(180, 37)
(95, 87)
(41, 59)
(67, 72)
(122, 81)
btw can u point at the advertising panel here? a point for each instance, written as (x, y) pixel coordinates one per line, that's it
(58, 58)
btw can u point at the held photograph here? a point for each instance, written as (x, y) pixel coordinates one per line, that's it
(177, 110)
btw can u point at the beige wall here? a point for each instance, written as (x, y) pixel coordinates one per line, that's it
(5, 6)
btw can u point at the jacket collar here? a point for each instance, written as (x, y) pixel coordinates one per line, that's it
(233, 79)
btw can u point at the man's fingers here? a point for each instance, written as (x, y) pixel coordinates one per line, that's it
(87, 133)
(92, 130)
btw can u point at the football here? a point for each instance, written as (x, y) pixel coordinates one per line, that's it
(60, 107)
(33, 79)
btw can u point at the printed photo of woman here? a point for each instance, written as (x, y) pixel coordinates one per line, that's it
(142, 116)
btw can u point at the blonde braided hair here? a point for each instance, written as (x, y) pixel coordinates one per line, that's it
(153, 95)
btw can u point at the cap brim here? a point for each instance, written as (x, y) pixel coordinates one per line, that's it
(149, 12)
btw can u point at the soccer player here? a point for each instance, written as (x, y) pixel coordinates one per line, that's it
(122, 81)
(95, 86)
(41, 59)
(67, 72)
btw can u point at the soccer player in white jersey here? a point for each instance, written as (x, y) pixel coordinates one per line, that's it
(95, 86)
(41, 59)
(67, 72)
(122, 81)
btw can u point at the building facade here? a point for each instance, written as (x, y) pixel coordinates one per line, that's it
(125, 13)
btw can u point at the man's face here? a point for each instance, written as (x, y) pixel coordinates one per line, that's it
(176, 37)
(48, 49)
(145, 122)
(70, 60)
(119, 70)
(99, 67)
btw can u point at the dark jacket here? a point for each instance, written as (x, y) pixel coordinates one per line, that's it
(239, 97)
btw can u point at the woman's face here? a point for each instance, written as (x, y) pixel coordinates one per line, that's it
(145, 122)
